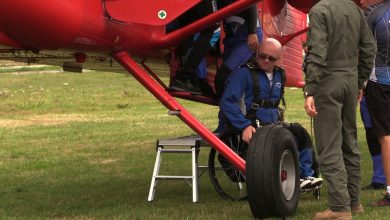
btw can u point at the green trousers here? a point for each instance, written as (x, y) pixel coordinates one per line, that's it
(336, 138)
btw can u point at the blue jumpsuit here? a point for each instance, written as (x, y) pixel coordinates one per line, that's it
(236, 51)
(241, 85)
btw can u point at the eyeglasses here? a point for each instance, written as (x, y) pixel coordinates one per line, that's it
(265, 56)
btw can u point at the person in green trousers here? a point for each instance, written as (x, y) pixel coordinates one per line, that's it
(340, 60)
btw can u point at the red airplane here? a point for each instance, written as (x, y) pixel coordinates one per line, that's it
(92, 32)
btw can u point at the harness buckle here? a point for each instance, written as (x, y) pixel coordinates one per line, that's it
(255, 106)
(250, 65)
(258, 123)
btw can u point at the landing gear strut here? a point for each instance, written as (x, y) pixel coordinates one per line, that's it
(272, 165)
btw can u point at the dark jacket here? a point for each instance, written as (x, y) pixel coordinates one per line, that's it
(241, 85)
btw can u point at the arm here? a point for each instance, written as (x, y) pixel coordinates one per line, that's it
(367, 51)
(251, 22)
(310, 107)
(229, 104)
(318, 49)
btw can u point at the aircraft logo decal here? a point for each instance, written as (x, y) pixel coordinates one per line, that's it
(162, 14)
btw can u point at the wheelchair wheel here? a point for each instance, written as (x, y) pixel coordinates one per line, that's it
(317, 193)
(272, 173)
(228, 181)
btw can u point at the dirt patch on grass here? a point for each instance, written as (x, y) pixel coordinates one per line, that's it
(50, 120)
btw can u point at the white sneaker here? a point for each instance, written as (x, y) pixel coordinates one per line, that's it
(305, 183)
(310, 182)
(316, 181)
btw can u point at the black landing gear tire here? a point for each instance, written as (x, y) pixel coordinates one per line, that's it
(272, 172)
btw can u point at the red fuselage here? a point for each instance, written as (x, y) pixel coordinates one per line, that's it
(86, 25)
(77, 24)
(108, 25)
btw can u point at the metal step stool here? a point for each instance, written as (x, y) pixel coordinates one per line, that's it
(172, 146)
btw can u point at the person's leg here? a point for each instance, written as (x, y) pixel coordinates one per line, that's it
(350, 148)
(236, 53)
(329, 139)
(306, 162)
(306, 156)
(378, 102)
(378, 180)
(202, 44)
(186, 79)
(385, 144)
(305, 149)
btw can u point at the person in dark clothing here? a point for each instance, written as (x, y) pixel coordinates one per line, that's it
(243, 35)
(193, 51)
(378, 87)
(378, 180)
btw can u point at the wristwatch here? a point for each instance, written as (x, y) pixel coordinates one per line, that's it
(306, 94)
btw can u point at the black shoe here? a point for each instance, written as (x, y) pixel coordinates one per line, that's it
(385, 201)
(206, 89)
(374, 186)
(185, 85)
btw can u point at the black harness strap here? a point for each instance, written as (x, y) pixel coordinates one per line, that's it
(283, 73)
(257, 102)
(251, 113)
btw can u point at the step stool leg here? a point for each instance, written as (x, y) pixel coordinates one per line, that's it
(194, 175)
(156, 171)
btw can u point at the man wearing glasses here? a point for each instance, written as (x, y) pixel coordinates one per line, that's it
(270, 80)
(261, 83)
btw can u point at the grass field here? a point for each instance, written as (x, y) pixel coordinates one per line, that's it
(82, 146)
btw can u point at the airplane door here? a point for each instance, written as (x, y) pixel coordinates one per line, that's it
(150, 12)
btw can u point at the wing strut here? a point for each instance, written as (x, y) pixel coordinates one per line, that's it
(170, 103)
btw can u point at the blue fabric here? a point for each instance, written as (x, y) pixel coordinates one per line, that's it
(306, 162)
(201, 70)
(378, 175)
(364, 113)
(377, 170)
(236, 50)
(371, 139)
(382, 60)
(241, 84)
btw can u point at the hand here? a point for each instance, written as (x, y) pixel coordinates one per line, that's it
(247, 133)
(360, 95)
(310, 106)
(253, 42)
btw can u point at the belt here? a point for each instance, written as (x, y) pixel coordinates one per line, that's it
(265, 104)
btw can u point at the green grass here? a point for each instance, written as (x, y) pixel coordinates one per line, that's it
(82, 146)
(28, 68)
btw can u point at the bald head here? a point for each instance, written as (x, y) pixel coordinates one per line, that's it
(269, 52)
(271, 45)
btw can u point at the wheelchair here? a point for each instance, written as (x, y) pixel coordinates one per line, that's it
(228, 181)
